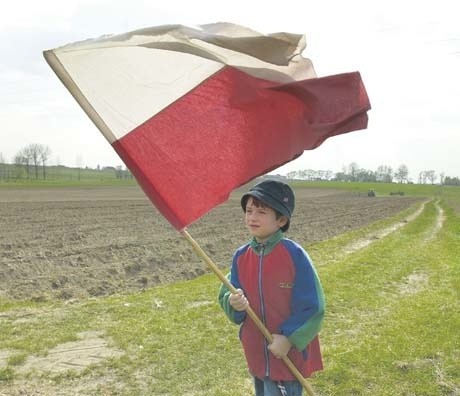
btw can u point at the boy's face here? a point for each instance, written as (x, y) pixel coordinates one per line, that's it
(261, 220)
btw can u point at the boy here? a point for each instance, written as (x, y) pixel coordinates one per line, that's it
(275, 276)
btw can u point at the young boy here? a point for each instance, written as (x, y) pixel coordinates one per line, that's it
(275, 276)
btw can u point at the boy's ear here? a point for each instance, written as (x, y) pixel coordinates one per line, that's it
(282, 221)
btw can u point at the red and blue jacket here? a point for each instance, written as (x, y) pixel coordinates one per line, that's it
(283, 288)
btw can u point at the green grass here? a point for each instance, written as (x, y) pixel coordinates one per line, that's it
(383, 189)
(64, 177)
(391, 327)
(332, 250)
(61, 176)
(390, 335)
(56, 183)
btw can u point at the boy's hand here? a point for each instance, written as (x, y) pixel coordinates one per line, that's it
(280, 346)
(238, 301)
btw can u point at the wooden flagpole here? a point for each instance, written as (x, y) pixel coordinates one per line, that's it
(200, 252)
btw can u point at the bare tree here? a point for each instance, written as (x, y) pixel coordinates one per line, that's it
(427, 175)
(328, 175)
(422, 177)
(353, 170)
(431, 176)
(23, 159)
(45, 153)
(365, 175)
(384, 174)
(309, 174)
(39, 154)
(34, 154)
(442, 176)
(402, 173)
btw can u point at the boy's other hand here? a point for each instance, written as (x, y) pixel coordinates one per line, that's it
(238, 301)
(280, 346)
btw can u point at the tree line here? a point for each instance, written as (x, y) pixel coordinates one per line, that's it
(31, 162)
(33, 158)
(384, 174)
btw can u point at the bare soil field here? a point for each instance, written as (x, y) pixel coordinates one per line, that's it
(75, 243)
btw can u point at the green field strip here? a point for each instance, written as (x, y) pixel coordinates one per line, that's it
(335, 248)
(390, 330)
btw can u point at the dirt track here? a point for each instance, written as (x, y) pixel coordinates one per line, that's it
(75, 243)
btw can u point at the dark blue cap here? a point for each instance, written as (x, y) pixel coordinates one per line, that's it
(275, 194)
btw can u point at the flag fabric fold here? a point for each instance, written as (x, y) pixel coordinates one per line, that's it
(196, 112)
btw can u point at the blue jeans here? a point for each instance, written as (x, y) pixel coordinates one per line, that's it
(267, 387)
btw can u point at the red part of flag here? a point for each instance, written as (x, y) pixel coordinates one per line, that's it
(230, 129)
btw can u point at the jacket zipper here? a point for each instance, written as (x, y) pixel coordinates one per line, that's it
(262, 311)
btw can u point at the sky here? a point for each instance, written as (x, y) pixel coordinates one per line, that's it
(408, 54)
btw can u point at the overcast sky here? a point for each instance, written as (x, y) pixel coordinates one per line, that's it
(408, 56)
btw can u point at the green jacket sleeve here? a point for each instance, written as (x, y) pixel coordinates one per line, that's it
(233, 315)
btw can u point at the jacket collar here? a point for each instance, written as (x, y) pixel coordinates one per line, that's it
(268, 245)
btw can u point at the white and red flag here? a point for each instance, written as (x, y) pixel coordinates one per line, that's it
(196, 112)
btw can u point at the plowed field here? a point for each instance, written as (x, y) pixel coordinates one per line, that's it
(74, 243)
